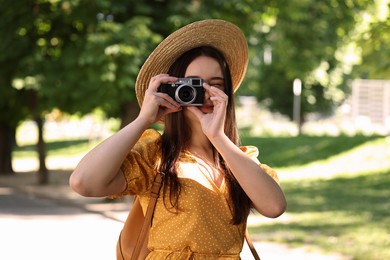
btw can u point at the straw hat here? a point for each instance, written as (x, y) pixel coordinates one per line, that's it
(224, 36)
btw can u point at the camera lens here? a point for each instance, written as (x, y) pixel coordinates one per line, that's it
(185, 94)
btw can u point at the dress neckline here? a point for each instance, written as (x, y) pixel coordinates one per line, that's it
(206, 169)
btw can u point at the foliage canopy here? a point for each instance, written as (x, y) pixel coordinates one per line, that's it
(81, 55)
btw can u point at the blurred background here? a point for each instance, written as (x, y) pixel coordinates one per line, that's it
(316, 101)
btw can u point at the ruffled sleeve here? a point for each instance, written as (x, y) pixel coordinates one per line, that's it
(139, 166)
(253, 153)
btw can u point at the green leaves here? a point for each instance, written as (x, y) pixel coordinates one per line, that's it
(86, 54)
(304, 41)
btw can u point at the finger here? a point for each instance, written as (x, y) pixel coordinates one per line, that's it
(213, 91)
(218, 99)
(158, 76)
(165, 107)
(157, 80)
(217, 92)
(206, 87)
(166, 99)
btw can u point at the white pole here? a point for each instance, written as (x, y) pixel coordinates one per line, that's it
(297, 89)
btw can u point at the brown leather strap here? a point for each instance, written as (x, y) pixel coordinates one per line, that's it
(155, 192)
(251, 246)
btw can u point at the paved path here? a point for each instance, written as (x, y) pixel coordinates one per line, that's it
(53, 222)
(42, 229)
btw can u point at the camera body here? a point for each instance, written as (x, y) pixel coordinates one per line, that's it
(185, 91)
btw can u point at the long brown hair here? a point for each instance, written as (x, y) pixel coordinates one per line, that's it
(177, 133)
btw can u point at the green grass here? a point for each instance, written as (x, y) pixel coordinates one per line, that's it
(294, 151)
(348, 212)
(349, 215)
(55, 148)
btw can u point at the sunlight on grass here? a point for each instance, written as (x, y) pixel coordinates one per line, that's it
(57, 149)
(348, 215)
(371, 155)
(350, 234)
(63, 155)
(302, 150)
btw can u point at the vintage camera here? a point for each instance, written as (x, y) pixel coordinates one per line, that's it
(185, 91)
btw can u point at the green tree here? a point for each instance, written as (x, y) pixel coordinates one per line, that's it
(71, 55)
(373, 40)
(303, 39)
(34, 34)
(13, 101)
(101, 74)
(81, 55)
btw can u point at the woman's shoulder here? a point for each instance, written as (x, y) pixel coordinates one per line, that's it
(252, 152)
(148, 145)
(150, 137)
(151, 133)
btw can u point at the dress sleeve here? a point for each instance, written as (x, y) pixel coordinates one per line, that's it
(139, 166)
(253, 153)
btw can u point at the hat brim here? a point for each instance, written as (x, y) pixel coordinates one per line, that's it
(223, 36)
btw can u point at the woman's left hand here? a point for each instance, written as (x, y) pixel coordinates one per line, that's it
(212, 123)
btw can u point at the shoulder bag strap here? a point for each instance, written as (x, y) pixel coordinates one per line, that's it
(251, 246)
(155, 192)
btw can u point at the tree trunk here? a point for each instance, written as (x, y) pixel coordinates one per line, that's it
(7, 142)
(130, 111)
(43, 174)
(41, 149)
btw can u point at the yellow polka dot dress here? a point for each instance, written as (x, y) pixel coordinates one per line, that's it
(201, 228)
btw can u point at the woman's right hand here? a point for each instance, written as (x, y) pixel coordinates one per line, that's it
(98, 173)
(156, 104)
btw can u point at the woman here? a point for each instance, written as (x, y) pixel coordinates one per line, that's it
(211, 183)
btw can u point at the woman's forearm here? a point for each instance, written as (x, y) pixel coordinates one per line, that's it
(98, 173)
(265, 194)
